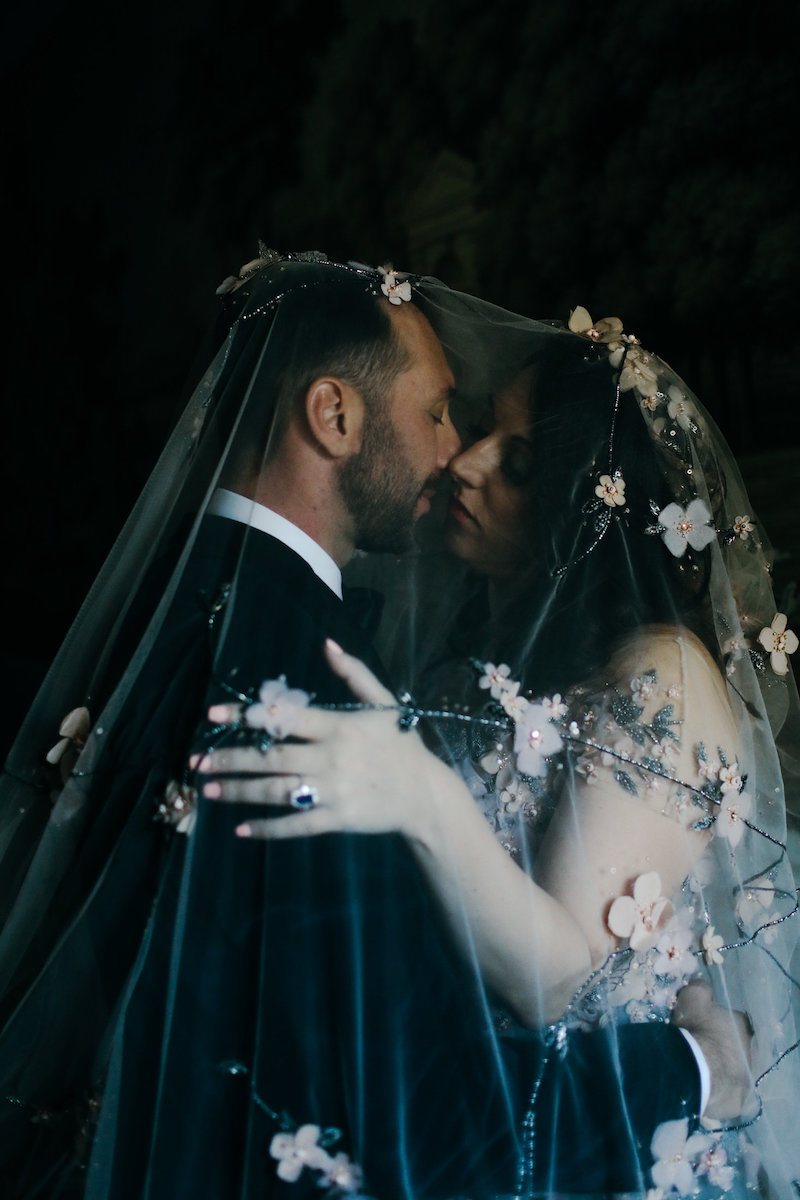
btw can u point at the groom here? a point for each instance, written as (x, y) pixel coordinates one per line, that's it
(314, 978)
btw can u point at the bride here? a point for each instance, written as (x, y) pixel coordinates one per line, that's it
(613, 697)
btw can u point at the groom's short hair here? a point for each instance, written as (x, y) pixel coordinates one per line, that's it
(333, 326)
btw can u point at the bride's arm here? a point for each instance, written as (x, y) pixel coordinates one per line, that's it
(534, 941)
(603, 836)
(373, 778)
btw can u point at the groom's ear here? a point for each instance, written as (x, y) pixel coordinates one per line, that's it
(335, 416)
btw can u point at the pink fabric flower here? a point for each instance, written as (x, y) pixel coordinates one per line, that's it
(730, 779)
(673, 956)
(637, 917)
(339, 1172)
(495, 678)
(686, 527)
(675, 1154)
(534, 739)
(742, 526)
(295, 1151)
(712, 946)
(611, 490)
(277, 709)
(395, 289)
(733, 812)
(778, 641)
(73, 732)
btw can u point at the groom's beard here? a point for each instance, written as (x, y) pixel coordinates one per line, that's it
(381, 489)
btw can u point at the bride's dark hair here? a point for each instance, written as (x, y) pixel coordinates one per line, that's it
(594, 575)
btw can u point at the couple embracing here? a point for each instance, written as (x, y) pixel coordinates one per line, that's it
(399, 851)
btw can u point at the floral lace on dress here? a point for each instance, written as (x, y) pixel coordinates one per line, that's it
(660, 737)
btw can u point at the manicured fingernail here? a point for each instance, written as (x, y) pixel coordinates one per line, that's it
(194, 759)
(213, 791)
(333, 646)
(244, 831)
(218, 712)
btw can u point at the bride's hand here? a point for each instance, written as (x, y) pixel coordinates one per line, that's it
(366, 775)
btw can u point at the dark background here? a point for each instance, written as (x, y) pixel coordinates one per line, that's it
(635, 157)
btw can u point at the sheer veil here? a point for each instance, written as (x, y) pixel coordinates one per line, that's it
(139, 1037)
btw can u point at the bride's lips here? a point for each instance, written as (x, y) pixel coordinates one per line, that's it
(460, 512)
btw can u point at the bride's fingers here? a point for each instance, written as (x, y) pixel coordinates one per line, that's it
(275, 829)
(264, 789)
(357, 675)
(284, 758)
(224, 714)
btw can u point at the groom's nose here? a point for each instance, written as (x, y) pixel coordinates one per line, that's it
(449, 443)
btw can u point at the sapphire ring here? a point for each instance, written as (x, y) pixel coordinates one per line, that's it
(304, 796)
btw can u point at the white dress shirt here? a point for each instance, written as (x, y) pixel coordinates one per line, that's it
(225, 503)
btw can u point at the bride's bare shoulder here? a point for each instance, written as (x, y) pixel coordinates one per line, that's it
(682, 668)
(663, 648)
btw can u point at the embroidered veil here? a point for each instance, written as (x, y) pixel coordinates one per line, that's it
(182, 1015)
(638, 654)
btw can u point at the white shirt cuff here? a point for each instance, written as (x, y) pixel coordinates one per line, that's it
(702, 1066)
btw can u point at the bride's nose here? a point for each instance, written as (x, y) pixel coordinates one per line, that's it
(473, 466)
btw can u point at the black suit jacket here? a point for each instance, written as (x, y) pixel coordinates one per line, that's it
(313, 977)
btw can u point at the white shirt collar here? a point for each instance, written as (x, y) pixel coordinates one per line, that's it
(225, 503)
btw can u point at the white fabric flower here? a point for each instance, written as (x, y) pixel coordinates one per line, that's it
(673, 955)
(708, 769)
(277, 709)
(778, 641)
(589, 766)
(393, 288)
(679, 408)
(515, 795)
(178, 807)
(638, 372)
(534, 739)
(73, 732)
(339, 1172)
(556, 707)
(729, 778)
(733, 812)
(742, 526)
(496, 679)
(643, 686)
(514, 704)
(608, 330)
(713, 1162)
(712, 946)
(675, 1152)
(611, 490)
(295, 1151)
(637, 917)
(686, 527)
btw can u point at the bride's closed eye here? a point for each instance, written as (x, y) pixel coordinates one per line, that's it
(517, 463)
